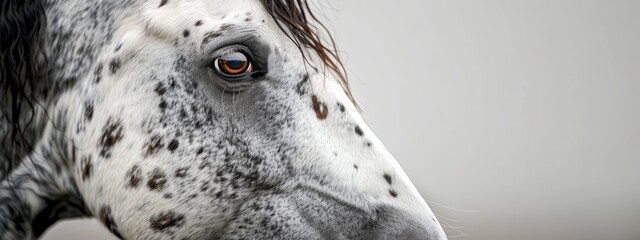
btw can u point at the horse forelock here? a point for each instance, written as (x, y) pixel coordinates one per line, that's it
(298, 22)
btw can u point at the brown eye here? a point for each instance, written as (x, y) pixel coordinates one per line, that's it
(234, 64)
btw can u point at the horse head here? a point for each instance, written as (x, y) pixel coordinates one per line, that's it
(194, 119)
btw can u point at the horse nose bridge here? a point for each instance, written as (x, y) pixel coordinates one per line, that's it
(365, 169)
(345, 153)
(340, 145)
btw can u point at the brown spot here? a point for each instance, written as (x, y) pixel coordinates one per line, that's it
(163, 104)
(247, 19)
(355, 166)
(181, 172)
(387, 178)
(153, 146)
(163, 2)
(115, 65)
(185, 33)
(157, 180)
(107, 220)
(209, 36)
(134, 176)
(87, 167)
(88, 110)
(319, 107)
(224, 27)
(160, 89)
(200, 150)
(301, 87)
(341, 107)
(393, 193)
(162, 221)
(204, 187)
(198, 23)
(173, 145)
(358, 130)
(98, 72)
(112, 134)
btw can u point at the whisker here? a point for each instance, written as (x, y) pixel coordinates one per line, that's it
(451, 208)
(446, 218)
(444, 225)
(447, 224)
(444, 222)
(457, 236)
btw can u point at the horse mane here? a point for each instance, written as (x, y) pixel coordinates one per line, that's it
(21, 25)
(296, 19)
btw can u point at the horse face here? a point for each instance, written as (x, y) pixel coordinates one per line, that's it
(201, 119)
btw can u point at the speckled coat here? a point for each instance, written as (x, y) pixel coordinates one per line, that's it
(138, 130)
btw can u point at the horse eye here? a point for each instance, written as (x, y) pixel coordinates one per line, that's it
(233, 64)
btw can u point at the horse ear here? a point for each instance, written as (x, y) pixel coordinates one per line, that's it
(21, 24)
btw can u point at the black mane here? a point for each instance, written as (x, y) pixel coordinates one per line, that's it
(21, 25)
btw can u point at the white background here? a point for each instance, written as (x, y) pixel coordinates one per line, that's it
(522, 115)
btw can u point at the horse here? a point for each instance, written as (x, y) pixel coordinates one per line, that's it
(190, 119)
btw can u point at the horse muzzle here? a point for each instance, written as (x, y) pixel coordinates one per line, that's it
(305, 214)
